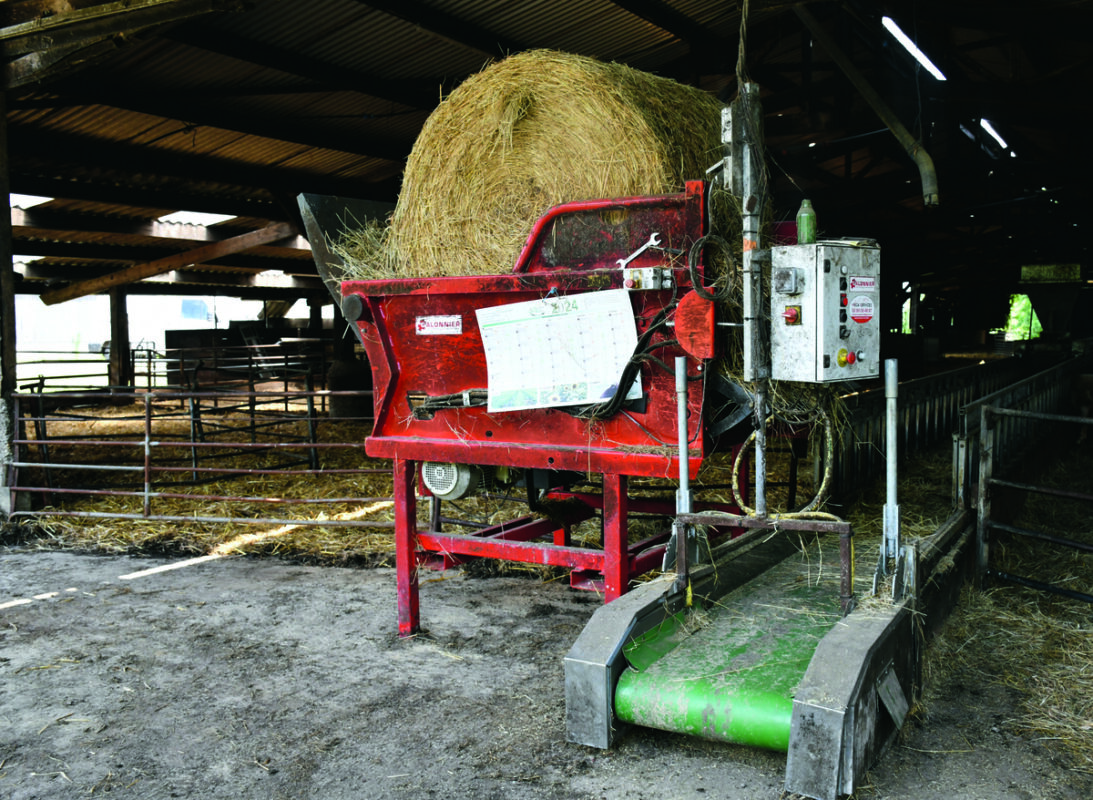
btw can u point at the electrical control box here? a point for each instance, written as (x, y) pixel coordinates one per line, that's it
(825, 311)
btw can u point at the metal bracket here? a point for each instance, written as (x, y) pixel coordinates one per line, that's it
(636, 278)
(905, 581)
(892, 696)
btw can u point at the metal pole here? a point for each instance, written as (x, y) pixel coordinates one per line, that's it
(913, 147)
(761, 448)
(683, 496)
(751, 207)
(756, 366)
(891, 506)
(680, 530)
(147, 455)
(983, 500)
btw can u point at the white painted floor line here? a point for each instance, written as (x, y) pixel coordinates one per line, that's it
(26, 601)
(189, 562)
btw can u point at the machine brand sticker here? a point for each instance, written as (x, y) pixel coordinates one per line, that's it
(861, 308)
(863, 283)
(441, 325)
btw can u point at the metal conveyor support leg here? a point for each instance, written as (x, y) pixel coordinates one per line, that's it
(616, 555)
(406, 547)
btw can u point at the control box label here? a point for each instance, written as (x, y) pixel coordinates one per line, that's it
(863, 283)
(862, 308)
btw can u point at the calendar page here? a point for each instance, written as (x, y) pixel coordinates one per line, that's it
(558, 351)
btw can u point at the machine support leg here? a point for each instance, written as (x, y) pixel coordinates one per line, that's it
(406, 547)
(616, 555)
(434, 515)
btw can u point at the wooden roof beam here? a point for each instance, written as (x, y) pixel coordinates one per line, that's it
(44, 223)
(246, 241)
(87, 25)
(448, 27)
(119, 256)
(414, 93)
(28, 142)
(202, 113)
(708, 50)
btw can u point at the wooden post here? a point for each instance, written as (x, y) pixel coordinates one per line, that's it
(121, 366)
(7, 322)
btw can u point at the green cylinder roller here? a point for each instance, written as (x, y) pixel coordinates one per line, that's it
(752, 709)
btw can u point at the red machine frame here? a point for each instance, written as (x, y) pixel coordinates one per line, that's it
(574, 248)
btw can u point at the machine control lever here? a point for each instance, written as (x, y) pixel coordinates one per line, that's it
(654, 241)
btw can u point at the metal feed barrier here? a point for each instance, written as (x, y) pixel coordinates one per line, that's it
(930, 411)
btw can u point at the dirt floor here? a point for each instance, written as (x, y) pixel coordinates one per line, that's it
(257, 678)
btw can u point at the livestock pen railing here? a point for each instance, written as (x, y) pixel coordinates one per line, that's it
(74, 371)
(161, 440)
(153, 457)
(1047, 391)
(212, 369)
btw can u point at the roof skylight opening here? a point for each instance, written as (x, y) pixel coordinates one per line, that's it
(985, 124)
(25, 201)
(912, 48)
(195, 218)
(19, 263)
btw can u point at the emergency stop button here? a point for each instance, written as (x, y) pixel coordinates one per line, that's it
(792, 315)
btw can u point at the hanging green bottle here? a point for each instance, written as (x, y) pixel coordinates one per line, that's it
(806, 223)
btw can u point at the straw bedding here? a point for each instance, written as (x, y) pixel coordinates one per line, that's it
(529, 132)
(1034, 643)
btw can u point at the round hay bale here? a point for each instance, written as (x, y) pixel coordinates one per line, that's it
(532, 131)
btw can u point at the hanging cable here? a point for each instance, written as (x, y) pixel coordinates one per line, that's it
(808, 510)
(693, 256)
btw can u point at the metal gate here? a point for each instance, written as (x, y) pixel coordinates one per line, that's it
(1004, 434)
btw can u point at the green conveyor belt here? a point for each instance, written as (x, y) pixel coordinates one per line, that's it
(729, 672)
